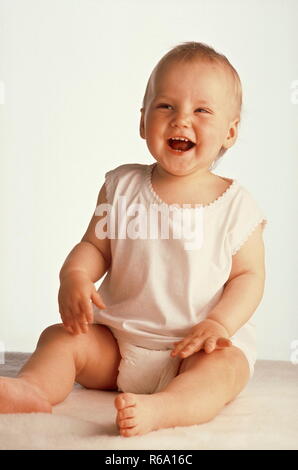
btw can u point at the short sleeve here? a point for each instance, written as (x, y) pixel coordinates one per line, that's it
(245, 216)
(111, 181)
(119, 179)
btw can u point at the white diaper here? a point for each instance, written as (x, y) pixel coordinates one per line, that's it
(145, 370)
(246, 340)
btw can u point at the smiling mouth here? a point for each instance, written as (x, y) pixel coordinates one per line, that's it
(180, 145)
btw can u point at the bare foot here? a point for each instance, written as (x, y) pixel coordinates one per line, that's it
(138, 414)
(19, 396)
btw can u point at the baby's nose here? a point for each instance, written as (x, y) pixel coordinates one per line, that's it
(181, 119)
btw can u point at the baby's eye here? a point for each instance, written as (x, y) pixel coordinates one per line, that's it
(164, 105)
(202, 109)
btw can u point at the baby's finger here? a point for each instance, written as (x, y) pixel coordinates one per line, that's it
(66, 320)
(179, 346)
(210, 344)
(78, 320)
(79, 326)
(222, 343)
(73, 327)
(68, 327)
(96, 299)
(86, 311)
(82, 323)
(84, 327)
(189, 348)
(86, 317)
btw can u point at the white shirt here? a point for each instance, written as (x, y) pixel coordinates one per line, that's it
(156, 289)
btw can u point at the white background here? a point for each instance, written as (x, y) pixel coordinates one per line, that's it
(73, 74)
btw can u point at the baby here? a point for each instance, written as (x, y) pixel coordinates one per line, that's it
(170, 326)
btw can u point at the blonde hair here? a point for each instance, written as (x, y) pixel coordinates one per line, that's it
(190, 52)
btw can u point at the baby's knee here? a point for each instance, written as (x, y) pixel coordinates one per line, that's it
(53, 332)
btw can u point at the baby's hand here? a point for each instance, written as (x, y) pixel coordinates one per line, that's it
(208, 335)
(76, 293)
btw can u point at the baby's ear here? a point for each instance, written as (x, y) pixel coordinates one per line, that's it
(142, 124)
(232, 134)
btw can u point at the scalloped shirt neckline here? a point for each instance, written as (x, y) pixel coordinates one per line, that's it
(155, 196)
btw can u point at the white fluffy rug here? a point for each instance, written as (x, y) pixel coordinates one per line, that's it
(263, 416)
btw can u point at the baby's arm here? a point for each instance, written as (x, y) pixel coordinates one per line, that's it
(244, 289)
(242, 294)
(86, 263)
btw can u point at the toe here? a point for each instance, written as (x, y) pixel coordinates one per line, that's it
(128, 432)
(119, 402)
(127, 412)
(127, 423)
(129, 399)
(125, 399)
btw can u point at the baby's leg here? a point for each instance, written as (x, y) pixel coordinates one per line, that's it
(60, 359)
(204, 385)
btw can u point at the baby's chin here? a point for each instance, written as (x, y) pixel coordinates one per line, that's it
(177, 168)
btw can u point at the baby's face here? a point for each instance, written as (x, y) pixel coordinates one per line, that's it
(191, 100)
